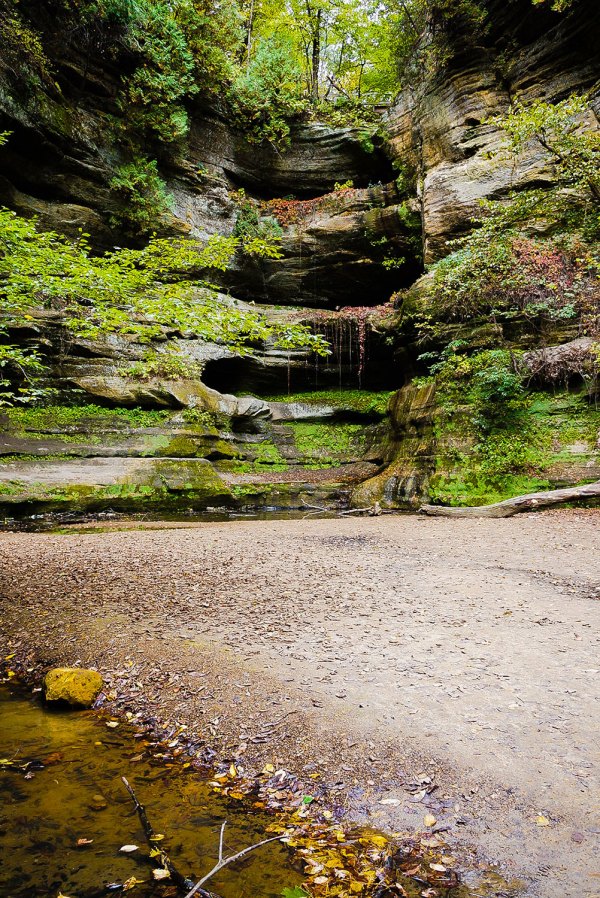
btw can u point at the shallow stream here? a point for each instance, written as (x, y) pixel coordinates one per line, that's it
(79, 795)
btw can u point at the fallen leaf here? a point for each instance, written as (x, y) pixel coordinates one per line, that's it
(84, 841)
(112, 724)
(439, 868)
(429, 820)
(540, 820)
(128, 848)
(390, 801)
(157, 837)
(160, 873)
(131, 883)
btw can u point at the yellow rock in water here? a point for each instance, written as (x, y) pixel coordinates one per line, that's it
(72, 685)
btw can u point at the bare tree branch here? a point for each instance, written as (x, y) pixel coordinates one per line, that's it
(228, 860)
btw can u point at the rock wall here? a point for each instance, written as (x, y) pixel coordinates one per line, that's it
(529, 53)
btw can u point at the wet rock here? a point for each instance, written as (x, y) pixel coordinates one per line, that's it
(411, 452)
(73, 686)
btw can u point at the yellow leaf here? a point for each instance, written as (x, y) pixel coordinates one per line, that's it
(157, 837)
(268, 768)
(112, 724)
(356, 887)
(131, 883)
(542, 821)
(233, 770)
(439, 868)
(328, 815)
(429, 820)
(374, 839)
(155, 852)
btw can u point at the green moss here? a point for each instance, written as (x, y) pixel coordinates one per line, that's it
(168, 485)
(326, 445)
(268, 456)
(63, 417)
(532, 451)
(363, 401)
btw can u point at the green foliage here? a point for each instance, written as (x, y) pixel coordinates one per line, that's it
(23, 55)
(556, 5)
(135, 292)
(489, 382)
(509, 275)
(327, 445)
(251, 224)
(21, 372)
(167, 363)
(142, 195)
(268, 95)
(179, 48)
(522, 456)
(573, 150)
(151, 96)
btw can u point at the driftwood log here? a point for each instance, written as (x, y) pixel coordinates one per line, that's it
(529, 502)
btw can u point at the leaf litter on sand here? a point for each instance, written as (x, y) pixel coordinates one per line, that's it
(338, 860)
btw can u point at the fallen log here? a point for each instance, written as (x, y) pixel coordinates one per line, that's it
(509, 507)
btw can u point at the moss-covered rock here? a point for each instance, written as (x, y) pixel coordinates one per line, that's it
(440, 450)
(73, 686)
(409, 453)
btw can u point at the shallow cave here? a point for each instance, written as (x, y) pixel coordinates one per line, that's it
(383, 368)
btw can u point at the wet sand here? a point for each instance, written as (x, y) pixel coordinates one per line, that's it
(442, 667)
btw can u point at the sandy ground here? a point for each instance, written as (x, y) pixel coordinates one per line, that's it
(443, 667)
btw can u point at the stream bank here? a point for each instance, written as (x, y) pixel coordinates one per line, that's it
(383, 696)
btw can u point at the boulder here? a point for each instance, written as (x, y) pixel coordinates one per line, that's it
(72, 685)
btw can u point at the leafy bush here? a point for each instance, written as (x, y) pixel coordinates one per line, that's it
(250, 223)
(511, 274)
(142, 195)
(137, 292)
(269, 94)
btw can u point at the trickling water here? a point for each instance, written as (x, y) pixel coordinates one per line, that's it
(79, 795)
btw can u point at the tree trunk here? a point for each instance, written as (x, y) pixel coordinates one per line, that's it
(316, 57)
(250, 27)
(529, 502)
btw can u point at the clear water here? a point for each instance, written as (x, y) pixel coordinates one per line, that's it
(79, 795)
(53, 522)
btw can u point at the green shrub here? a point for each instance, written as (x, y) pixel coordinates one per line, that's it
(268, 96)
(142, 195)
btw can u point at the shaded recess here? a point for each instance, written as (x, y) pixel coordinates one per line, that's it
(381, 367)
